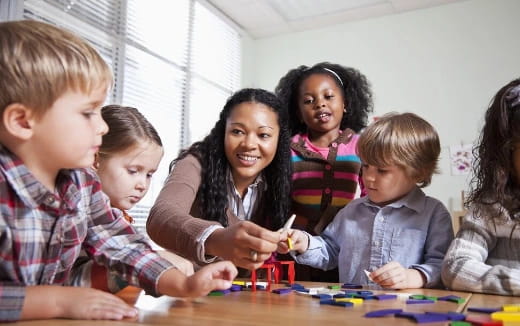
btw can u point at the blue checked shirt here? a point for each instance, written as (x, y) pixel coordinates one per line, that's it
(415, 231)
(42, 233)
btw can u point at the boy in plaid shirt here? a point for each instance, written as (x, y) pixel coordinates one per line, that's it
(51, 205)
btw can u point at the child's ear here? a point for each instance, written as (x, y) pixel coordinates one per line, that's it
(18, 120)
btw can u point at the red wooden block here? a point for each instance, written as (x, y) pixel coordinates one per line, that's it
(279, 270)
(269, 267)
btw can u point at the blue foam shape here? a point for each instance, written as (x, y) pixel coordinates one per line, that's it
(297, 286)
(365, 296)
(382, 313)
(322, 296)
(332, 302)
(340, 296)
(282, 291)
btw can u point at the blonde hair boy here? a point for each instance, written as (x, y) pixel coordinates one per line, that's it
(405, 140)
(53, 85)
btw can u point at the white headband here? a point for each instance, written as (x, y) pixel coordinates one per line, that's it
(335, 74)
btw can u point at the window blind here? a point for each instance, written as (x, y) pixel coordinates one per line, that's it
(163, 55)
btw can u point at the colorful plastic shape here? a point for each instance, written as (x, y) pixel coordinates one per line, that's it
(382, 313)
(269, 268)
(291, 274)
(485, 310)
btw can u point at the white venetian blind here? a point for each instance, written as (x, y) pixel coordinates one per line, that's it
(214, 73)
(174, 60)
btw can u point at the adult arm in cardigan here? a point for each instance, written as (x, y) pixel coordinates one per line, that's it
(174, 223)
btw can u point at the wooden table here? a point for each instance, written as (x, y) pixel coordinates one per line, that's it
(479, 300)
(264, 308)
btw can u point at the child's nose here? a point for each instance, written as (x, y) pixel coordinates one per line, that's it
(102, 127)
(320, 103)
(369, 175)
(141, 184)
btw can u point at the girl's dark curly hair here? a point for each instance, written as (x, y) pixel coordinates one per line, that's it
(354, 85)
(494, 181)
(211, 155)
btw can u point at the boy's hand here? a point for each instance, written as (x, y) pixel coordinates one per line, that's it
(47, 301)
(216, 276)
(395, 276)
(300, 242)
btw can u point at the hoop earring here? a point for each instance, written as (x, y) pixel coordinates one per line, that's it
(96, 161)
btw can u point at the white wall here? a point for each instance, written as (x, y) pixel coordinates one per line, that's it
(444, 63)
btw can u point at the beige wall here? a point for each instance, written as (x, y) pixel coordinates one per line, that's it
(443, 63)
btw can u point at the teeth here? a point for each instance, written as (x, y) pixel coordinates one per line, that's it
(247, 157)
(323, 115)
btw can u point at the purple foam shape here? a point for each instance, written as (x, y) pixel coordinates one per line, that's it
(351, 286)
(385, 296)
(484, 310)
(423, 318)
(382, 313)
(235, 288)
(450, 315)
(413, 301)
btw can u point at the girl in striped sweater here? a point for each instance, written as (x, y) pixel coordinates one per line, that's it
(328, 105)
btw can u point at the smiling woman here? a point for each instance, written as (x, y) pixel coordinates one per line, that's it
(228, 192)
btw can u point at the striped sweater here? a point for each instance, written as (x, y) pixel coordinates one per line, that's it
(484, 257)
(322, 186)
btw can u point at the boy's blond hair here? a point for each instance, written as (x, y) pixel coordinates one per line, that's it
(405, 140)
(40, 62)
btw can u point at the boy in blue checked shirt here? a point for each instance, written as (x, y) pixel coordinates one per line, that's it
(51, 206)
(396, 233)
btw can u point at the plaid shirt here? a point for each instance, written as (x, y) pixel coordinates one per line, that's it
(42, 233)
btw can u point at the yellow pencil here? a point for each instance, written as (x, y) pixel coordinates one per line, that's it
(287, 227)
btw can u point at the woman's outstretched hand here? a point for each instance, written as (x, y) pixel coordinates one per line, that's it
(246, 244)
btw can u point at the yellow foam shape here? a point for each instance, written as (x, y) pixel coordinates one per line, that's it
(511, 307)
(353, 300)
(239, 282)
(506, 316)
